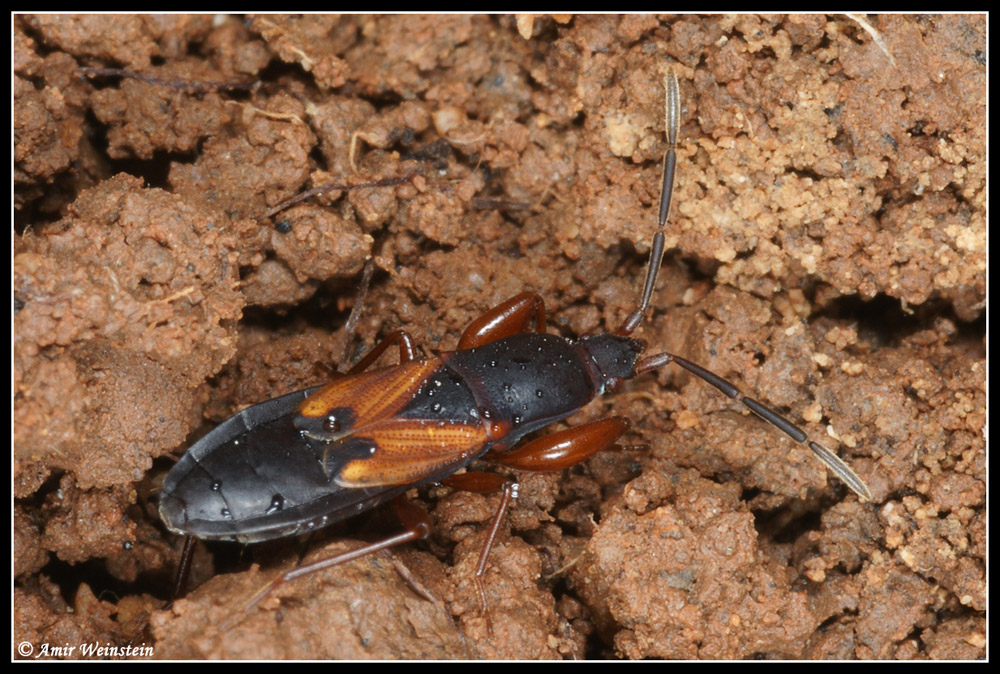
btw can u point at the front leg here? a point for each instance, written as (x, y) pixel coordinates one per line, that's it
(505, 320)
(565, 448)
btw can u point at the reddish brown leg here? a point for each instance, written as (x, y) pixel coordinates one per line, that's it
(565, 448)
(479, 483)
(552, 452)
(483, 483)
(416, 525)
(504, 320)
(406, 351)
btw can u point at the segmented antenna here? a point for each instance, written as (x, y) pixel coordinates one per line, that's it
(649, 363)
(672, 122)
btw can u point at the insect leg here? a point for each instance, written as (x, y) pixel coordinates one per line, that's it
(351, 328)
(483, 483)
(406, 351)
(416, 526)
(505, 320)
(549, 453)
(183, 569)
(831, 460)
(565, 448)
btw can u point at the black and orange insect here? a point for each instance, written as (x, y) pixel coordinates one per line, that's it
(311, 458)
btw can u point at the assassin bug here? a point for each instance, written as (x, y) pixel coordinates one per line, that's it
(311, 458)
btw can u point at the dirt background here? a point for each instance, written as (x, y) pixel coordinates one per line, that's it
(828, 254)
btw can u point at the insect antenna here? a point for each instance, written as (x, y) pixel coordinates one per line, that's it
(829, 459)
(672, 123)
(649, 363)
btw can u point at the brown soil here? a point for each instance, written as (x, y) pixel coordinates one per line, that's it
(828, 254)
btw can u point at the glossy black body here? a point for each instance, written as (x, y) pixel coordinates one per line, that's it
(258, 476)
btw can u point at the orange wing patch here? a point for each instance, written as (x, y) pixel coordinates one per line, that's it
(406, 450)
(409, 450)
(372, 396)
